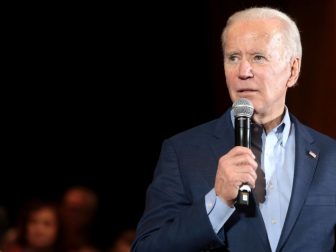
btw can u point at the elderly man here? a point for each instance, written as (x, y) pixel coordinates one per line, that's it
(191, 202)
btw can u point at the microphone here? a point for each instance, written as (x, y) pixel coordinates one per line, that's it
(243, 111)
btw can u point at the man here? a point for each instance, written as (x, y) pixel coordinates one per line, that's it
(191, 202)
(78, 210)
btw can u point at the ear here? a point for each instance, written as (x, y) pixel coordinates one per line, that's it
(295, 64)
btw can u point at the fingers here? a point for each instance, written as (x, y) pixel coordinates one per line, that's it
(235, 168)
(240, 150)
(245, 161)
(249, 179)
(239, 157)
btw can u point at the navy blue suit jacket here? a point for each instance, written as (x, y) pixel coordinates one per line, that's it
(175, 217)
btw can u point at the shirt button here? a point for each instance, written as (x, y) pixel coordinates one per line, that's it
(274, 221)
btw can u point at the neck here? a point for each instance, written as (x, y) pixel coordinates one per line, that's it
(269, 124)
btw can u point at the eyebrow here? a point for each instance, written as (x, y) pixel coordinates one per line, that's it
(232, 52)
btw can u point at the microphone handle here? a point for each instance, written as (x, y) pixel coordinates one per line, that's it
(243, 138)
(242, 131)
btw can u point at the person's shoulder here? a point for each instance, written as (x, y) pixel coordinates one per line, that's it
(321, 137)
(316, 135)
(199, 133)
(200, 130)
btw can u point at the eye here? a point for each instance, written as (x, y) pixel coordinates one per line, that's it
(259, 58)
(233, 58)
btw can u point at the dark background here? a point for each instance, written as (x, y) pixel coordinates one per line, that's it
(92, 91)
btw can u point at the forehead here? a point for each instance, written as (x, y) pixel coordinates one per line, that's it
(45, 212)
(254, 32)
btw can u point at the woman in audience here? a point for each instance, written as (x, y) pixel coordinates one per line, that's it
(38, 229)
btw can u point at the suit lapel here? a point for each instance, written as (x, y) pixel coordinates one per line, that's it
(223, 136)
(305, 165)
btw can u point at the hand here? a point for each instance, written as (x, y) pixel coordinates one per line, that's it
(235, 168)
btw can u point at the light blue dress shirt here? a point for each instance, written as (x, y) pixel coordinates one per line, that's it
(277, 161)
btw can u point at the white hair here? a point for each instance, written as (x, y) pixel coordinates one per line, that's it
(290, 31)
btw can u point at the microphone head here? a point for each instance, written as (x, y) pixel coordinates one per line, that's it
(242, 107)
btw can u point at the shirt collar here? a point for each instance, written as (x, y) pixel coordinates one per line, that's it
(281, 131)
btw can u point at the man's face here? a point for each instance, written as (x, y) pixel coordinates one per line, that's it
(257, 66)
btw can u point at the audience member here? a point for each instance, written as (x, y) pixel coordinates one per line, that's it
(38, 229)
(78, 208)
(124, 241)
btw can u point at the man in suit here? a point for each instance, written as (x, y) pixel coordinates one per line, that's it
(190, 203)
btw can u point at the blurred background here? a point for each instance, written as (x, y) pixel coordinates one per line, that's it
(91, 91)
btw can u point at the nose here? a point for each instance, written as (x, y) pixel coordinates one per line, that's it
(245, 70)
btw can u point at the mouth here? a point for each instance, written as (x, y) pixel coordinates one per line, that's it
(246, 90)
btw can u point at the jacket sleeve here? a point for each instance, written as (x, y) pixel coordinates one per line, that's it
(171, 220)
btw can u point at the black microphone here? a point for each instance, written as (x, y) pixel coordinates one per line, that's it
(243, 111)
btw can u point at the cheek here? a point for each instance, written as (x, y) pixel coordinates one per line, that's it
(281, 72)
(229, 77)
(51, 228)
(55, 229)
(229, 73)
(232, 93)
(31, 228)
(52, 234)
(32, 231)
